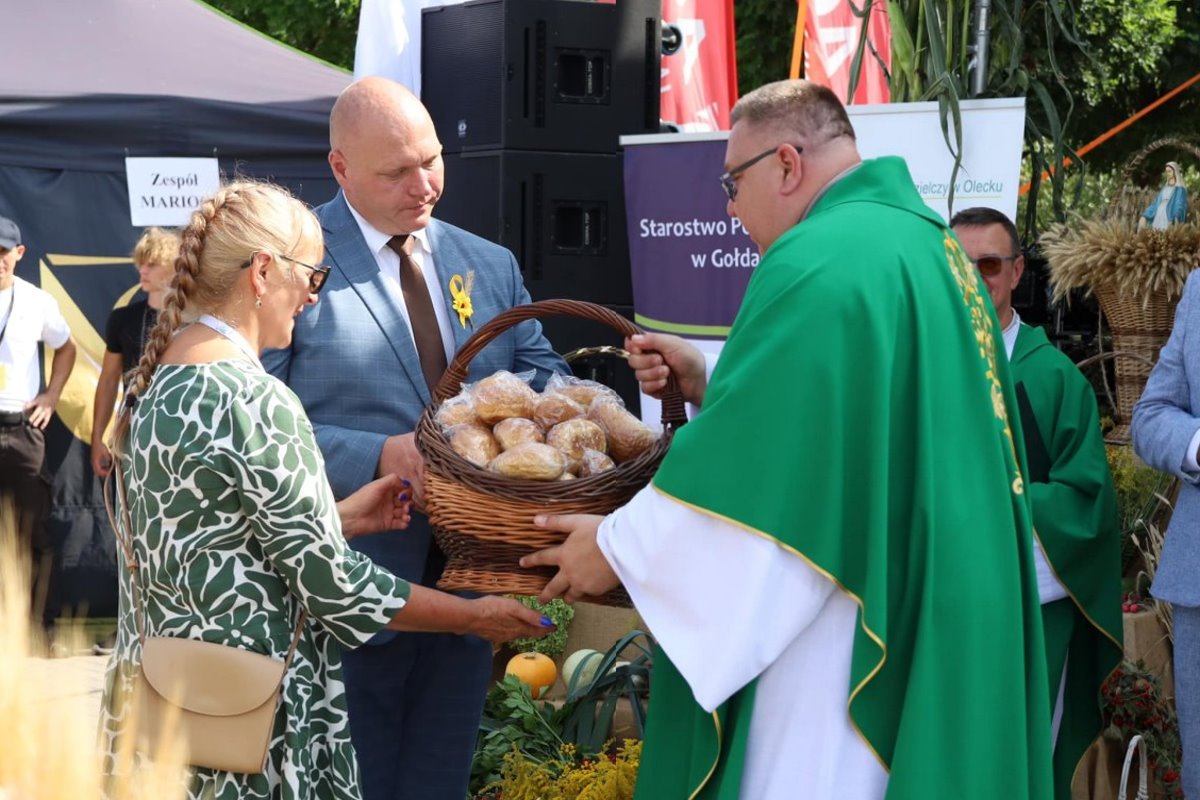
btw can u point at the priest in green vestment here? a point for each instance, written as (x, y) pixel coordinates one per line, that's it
(1077, 539)
(836, 555)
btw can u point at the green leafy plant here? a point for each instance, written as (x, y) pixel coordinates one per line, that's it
(513, 720)
(1140, 497)
(553, 740)
(594, 704)
(560, 613)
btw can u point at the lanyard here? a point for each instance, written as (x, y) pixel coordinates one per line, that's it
(231, 333)
(11, 302)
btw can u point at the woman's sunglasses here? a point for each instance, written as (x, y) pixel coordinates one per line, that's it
(316, 278)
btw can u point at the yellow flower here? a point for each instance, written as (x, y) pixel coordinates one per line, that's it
(460, 292)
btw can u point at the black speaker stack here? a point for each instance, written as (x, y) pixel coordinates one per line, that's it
(529, 98)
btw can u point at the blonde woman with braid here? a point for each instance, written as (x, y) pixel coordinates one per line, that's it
(235, 528)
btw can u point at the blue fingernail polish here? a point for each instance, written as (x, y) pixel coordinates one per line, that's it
(403, 497)
(547, 622)
(405, 481)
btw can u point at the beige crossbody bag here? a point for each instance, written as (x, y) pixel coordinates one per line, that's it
(219, 700)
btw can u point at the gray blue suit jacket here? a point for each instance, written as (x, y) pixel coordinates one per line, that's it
(1164, 421)
(353, 364)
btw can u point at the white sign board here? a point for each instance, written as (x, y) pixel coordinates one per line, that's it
(165, 191)
(993, 133)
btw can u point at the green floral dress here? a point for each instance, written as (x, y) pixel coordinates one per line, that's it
(236, 529)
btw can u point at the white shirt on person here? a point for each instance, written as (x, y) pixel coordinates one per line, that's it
(34, 318)
(389, 265)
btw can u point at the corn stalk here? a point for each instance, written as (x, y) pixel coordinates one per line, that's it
(932, 49)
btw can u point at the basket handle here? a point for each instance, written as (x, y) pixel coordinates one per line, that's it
(673, 413)
(1139, 744)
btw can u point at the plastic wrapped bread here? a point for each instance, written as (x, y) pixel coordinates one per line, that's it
(517, 430)
(628, 436)
(458, 410)
(573, 437)
(530, 461)
(594, 462)
(582, 391)
(474, 442)
(552, 408)
(502, 396)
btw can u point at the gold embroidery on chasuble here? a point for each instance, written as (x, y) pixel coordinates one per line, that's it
(981, 324)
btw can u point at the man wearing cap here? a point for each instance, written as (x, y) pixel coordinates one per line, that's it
(1077, 545)
(28, 316)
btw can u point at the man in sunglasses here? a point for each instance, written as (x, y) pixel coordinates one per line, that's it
(845, 515)
(1077, 548)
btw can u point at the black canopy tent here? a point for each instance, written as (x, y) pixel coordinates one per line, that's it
(83, 85)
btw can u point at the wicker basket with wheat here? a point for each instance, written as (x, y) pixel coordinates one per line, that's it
(1135, 271)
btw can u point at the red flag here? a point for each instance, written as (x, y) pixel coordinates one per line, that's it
(699, 82)
(831, 33)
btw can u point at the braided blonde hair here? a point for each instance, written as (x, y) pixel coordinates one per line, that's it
(240, 219)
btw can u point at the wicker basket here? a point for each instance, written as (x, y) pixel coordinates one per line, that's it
(1140, 325)
(1138, 330)
(1137, 274)
(482, 521)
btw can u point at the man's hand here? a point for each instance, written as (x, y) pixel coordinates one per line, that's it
(40, 409)
(382, 505)
(101, 459)
(583, 570)
(401, 457)
(653, 356)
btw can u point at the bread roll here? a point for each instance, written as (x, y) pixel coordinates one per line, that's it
(568, 476)
(501, 396)
(552, 408)
(517, 430)
(586, 392)
(594, 462)
(458, 410)
(531, 461)
(474, 442)
(573, 437)
(628, 437)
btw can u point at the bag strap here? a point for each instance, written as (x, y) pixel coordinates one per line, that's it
(124, 536)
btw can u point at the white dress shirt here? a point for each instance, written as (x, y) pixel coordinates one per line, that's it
(389, 265)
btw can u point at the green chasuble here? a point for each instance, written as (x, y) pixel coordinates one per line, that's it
(1075, 519)
(858, 417)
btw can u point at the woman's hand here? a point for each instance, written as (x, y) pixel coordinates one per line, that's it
(497, 619)
(384, 504)
(501, 619)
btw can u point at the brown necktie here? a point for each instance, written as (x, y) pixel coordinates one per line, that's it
(427, 336)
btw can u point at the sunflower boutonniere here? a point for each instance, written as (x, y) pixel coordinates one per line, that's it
(460, 293)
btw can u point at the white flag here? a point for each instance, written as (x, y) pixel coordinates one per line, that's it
(389, 40)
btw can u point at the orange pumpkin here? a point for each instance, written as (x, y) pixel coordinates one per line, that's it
(535, 670)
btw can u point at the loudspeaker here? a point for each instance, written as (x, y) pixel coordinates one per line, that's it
(541, 74)
(562, 215)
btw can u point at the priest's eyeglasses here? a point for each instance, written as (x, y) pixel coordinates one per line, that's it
(316, 277)
(990, 266)
(729, 179)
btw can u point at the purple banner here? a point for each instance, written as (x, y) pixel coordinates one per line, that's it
(690, 260)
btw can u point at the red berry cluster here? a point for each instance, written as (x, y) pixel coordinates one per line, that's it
(1132, 702)
(1132, 602)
